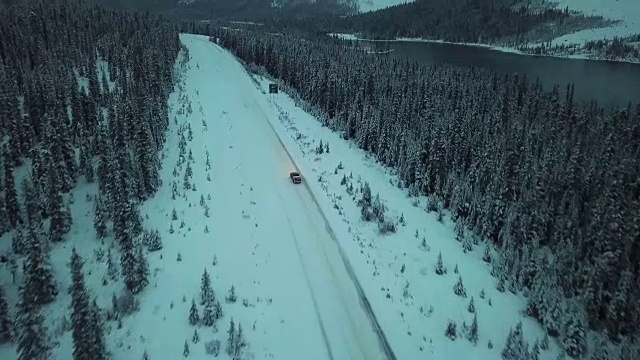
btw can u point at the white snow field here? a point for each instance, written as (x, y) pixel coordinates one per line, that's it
(626, 11)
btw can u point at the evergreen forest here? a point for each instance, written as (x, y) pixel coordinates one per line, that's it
(551, 184)
(83, 98)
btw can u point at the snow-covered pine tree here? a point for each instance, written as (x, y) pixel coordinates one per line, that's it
(112, 269)
(459, 232)
(508, 352)
(459, 289)
(86, 164)
(440, 269)
(194, 317)
(18, 242)
(365, 202)
(544, 344)
(473, 330)
(231, 338)
(378, 208)
(217, 310)
(501, 283)
(239, 344)
(466, 245)
(54, 186)
(146, 154)
(11, 206)
(99, 220)
(471, 307)
(4, 223)
(451, 331)
(206, 291)
(231, 298)
(185, 352)
(575, 338)
(516, 348)
(129, 263)
(98, 347)
(142, 267)
(115, 307)
(6, 323)
(32, 335)
(32, 200)
(534, 354)
(208, 315)
(81, 310)
(60, 223)
(39, 287)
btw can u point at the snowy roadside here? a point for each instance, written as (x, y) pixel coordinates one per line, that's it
(412, 303)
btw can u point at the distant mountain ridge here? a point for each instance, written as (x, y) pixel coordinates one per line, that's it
(235, 9)
(259, 9)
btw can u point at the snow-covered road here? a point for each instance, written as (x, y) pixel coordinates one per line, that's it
(246, 151)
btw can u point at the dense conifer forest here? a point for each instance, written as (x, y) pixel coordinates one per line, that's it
(258, 10)
(475, 21)
(553, 185)
(83, 99)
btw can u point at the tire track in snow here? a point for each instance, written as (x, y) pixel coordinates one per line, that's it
(325, 338)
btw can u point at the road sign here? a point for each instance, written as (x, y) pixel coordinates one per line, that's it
(273, 88)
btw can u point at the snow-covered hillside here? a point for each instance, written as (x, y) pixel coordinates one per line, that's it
(372, 5)
(626, 11)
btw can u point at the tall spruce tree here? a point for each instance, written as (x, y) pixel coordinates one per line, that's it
(81, 311)
(11, 206)
(206, 291)
(32, 335)
(39, 287)
(98, 347)
(99, 219)
(6, 323)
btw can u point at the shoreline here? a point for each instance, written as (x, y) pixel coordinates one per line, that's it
(499, 48)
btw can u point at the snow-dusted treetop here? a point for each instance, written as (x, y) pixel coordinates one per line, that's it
(373, 5)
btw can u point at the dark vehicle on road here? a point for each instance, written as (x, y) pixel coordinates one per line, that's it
(295, 177)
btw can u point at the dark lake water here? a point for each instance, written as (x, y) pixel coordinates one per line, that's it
(612, 84)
